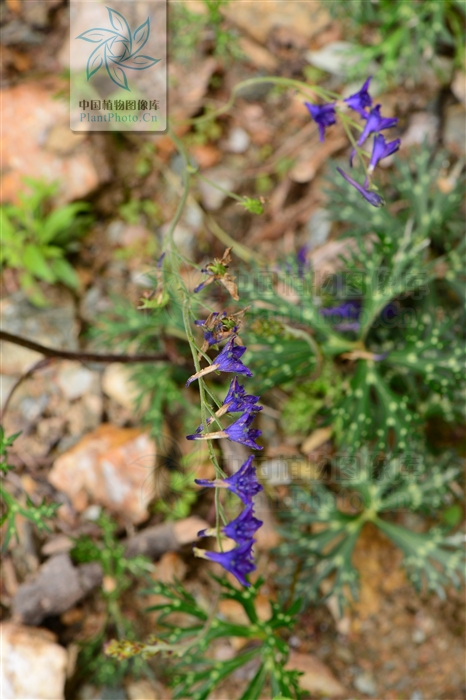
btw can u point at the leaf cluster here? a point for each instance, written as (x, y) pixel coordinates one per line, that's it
(323, 525)
(36, 238)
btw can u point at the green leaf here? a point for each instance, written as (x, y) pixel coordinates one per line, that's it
(65, 273)
(253, 690)
(61, 219)
(35, 262)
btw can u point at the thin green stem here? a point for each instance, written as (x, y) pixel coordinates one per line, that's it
(285, 82)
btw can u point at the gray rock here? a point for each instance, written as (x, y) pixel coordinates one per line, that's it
(364, 683)
(212, 197)
(238, 140)
(318, 228)
(17, 32)
(417, 695)
(336, 58)
(54, 326)
(75, 380)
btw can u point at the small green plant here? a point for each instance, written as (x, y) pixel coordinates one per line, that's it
(323, 525)
(196, 675)
(187, 28)
(37, 237)
(118, 575)
(407, 35)
(13, 507)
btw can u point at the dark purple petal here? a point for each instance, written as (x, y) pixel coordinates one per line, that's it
(242, 528)
(237, 399)
(372, 197)
(244, 482)
(360, 100)
(382, 149)
(375, 123)
(201, 286)
(323, 115)
(240, 432)
(229, 359)
(238, 561)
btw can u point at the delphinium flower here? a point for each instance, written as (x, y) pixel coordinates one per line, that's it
(228, 360)
(372, 197)
(323, 115)
(238, 561)
(242, 483)
(235, 401)
(381, 149)
(361, 102)
(218, 270)
(361, 99)
(239, 431)
(220, 326)
(241, 529)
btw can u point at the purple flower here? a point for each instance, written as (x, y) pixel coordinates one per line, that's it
(237, 561)
(382, 149)
(237, 399)
(228, 360)
(241, 529)
(375, 123)
(240, 432)
(360, 100)
(372, 197)
(323, 115)
(243, 484)
(214, 329)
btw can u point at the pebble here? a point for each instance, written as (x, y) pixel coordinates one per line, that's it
(110, 467)
(337, 58)
(364, 683)
(213, 198)
(75, 380)
(25, 148)
(32, 664)
(418, 636)
(238, 140)
(417, 695)
(118, 385)
(318, 228)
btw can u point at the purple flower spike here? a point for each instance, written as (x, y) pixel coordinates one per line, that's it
(323, 115)
(240, 432)
(237, 561)
(243, 484)
(372, 197)
(360, 100)
(382, 149)
(242, 528)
